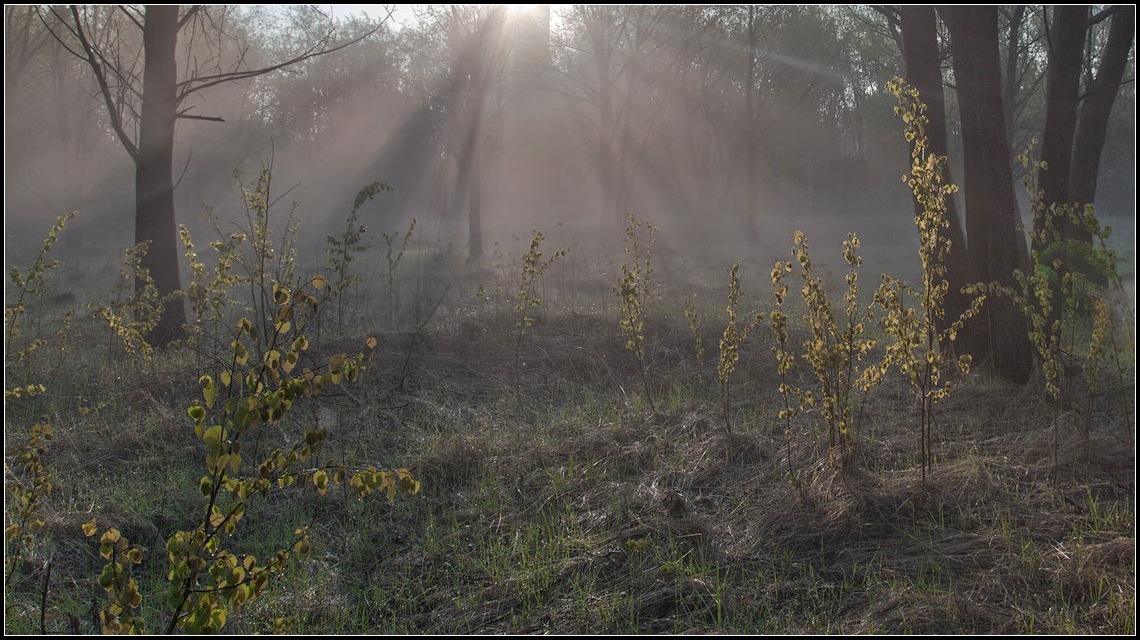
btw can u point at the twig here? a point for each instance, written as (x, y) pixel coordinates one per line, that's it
(411, 347)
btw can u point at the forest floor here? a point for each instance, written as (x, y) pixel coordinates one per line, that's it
(559, 497)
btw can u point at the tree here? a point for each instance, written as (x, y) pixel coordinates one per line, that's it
(150, 105)
(1076, 125)
(619, 41)
(998, 334)
(919, 27)
(480, 64)
(1062, 89)
(1096, 105)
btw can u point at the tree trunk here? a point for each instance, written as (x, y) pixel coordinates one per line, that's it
(1092, 120)
(751, 233)
(599, 36)
(475, 185)
(924, 72)
(1062, 90)
(1010, 80)
(154, 186)
(1000, 331)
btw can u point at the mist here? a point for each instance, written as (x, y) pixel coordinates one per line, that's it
(520, 100)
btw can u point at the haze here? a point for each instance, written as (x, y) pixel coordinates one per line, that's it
(663, 133)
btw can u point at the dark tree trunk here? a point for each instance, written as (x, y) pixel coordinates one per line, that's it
(1062, 90)
(154, 186)
(475, 184)
(924, 72)
(1010, 80)
(1092, 121)
(1000, 331)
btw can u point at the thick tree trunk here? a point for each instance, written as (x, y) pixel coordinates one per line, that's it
(154, 187)
(991, 210)
(924, 72)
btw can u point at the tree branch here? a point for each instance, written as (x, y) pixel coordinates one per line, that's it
(1102, 15)
(188, 15)
(186, 88)
(104, 88)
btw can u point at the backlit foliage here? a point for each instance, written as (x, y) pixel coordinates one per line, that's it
(785, 359)
(138, 307)
(836, 347)
(30, 485)
(633, 290)
(1067, 295)
(209, 292)
(30, 283)
(257, 386)
(341, 251)
(733, 337)
(915, 318)
(533, 268)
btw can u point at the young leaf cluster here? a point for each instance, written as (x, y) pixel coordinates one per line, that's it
(258, 385)
(30, 283)
(28, 489)
(836, 346)
(785, 358)
(209, 292)
(341, 251)
(120, 613)
(693, 321)
(633, 289)
(138, 307)
(915, 318)
(733, 337)
(533, 268)
(1070, 279)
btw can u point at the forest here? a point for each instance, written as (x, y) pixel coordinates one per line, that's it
(454, 319)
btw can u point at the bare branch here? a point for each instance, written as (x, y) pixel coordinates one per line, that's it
(187, 116)
(187, 87)
(1102, 15)
(188, 15)
(104, 88)
(126, 12)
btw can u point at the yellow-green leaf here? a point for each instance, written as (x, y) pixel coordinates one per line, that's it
(209, 390)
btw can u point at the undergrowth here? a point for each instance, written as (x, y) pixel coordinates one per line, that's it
(180, 488)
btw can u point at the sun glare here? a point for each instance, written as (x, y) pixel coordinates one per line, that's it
(521, 10)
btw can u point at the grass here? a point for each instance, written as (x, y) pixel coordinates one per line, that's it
(572, 507)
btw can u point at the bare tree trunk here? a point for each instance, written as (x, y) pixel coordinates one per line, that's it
(154, 187)
(991, 210)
